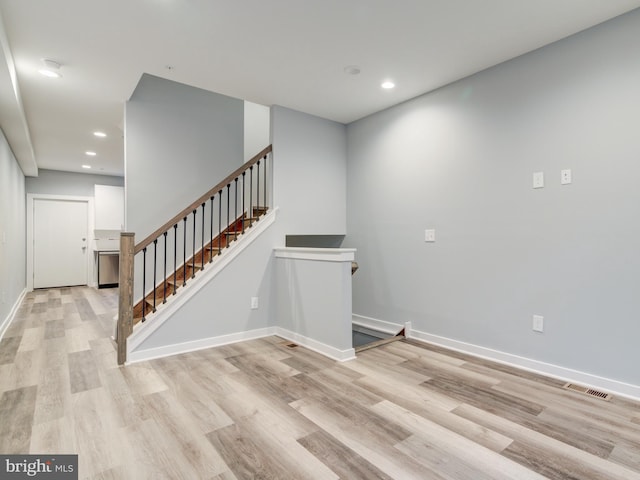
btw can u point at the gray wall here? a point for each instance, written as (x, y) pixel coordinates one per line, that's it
(179, 142)
(53, 182)
(461, 160)
(12, 231)
(310, 165)
(307, 150)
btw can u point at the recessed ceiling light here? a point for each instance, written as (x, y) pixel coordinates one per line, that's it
(100, 134)
(49, 73)
(50, 68)
(86, 166)
(91, 154)
(387, 85)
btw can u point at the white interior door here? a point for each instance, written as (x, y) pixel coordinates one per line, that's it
(60, 230)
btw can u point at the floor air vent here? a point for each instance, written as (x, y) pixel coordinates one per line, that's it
(588, 391)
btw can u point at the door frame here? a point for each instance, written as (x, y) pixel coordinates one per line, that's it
(31, 197)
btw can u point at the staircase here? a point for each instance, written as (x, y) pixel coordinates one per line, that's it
(188, 243)
(196, 263)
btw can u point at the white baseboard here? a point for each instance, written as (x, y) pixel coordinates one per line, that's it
(200, 344)
(316, 346)
(569, 375)
(376, 324)
(12, 313)
(136, 356)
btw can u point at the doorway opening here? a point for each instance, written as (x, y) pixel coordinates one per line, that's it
(59, 250)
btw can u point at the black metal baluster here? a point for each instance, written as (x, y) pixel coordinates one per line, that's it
(258, 189)
(164, 275)
(211, 225)
(184, 251)
(144, 283)
(220, 223)
(244, 212)
(228, 223)
(235, 211)
(202, 240)
(193, 251)
(155, 262)
(251, 193)
(265, 182)
(175, 257)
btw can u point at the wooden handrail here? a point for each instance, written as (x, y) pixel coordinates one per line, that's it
(147, 241)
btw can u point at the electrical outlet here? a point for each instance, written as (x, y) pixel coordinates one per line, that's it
(538, 323)
(254, 303)
(565, 177)
(538, 180)
(430, 235)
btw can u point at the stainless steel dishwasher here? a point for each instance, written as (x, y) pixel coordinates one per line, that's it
(108, 269)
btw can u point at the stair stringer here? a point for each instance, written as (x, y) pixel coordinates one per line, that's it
(142, 331)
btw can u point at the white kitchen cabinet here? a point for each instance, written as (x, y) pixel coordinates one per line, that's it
(109, 207)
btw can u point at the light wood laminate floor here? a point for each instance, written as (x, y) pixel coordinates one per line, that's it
(262, 409)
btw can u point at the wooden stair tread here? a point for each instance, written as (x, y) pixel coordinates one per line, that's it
(159, 296)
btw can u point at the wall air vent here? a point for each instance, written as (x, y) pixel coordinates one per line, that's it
(588, 391)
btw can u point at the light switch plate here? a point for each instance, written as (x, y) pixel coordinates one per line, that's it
(254, 303)
(565, 177)
(430, 235)
(538, 323)
(538, 180)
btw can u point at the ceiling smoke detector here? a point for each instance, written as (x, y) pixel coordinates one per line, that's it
(50, 68)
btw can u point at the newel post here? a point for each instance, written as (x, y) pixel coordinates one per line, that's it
(125, 304)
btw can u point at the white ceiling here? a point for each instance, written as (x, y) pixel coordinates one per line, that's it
(286, 52)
